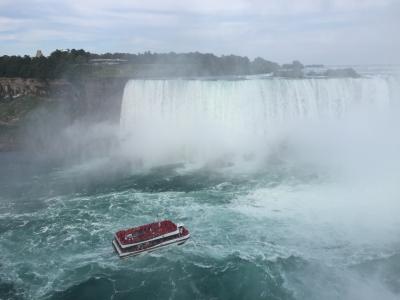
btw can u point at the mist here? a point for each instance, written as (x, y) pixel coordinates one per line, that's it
(189, 120)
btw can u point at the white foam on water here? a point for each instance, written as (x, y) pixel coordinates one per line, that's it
(335, 142)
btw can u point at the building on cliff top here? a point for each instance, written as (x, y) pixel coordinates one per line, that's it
(39, 53)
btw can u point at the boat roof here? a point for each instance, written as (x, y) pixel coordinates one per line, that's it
(145, 232)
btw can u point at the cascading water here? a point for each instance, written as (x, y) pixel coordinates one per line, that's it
(199, 119)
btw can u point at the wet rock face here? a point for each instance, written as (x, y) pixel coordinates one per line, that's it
(101, 99)
(16, 87)
(98, 99)
(11, 88)
(55, 105)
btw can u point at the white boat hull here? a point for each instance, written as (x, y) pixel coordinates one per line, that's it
(179, 241)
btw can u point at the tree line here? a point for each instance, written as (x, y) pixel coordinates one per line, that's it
(75, 63)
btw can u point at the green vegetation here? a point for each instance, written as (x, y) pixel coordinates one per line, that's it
(26, 118)
(293, 70)
(348, 72)
(53, 66)
(72, 64)
(13, 115)
(14, 110)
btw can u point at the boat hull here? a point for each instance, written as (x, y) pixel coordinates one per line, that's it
(122, 253)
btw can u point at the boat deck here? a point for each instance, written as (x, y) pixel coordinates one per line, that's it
(145, 232)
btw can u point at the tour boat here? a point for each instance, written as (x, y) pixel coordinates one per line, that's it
(148, 237)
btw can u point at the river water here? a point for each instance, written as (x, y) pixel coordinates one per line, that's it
(288, 187)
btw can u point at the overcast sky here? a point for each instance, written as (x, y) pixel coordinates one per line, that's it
(313, 31)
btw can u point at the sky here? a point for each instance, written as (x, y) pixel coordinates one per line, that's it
(312, 31)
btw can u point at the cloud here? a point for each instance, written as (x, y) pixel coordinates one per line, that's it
(263, 7)
(327, 31)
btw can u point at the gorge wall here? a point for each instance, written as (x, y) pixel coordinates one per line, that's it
(16, 87)
(23, 99)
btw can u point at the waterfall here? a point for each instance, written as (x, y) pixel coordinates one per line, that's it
(203, 118)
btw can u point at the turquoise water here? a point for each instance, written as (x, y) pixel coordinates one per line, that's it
(288, 187)
(262, 235)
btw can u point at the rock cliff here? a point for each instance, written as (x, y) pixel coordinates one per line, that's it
(89, 100)
(16, 87)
